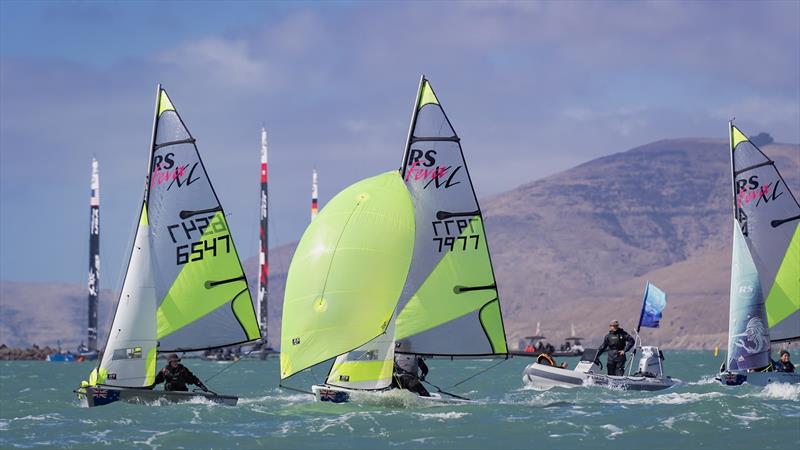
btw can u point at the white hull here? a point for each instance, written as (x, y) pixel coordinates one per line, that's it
(545, 377)
(335, 394)
(757, 378)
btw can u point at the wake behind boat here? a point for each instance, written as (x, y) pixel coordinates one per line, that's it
(184, 288)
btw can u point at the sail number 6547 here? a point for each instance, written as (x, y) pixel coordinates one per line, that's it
(196, 251)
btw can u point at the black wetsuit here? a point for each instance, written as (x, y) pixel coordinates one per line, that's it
(406, 375)
(614, 342)
(176, 378)
(778, 366)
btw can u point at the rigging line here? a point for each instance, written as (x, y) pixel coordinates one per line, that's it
(229, 366)
(482, 371)
(295, 389)
(444, 392)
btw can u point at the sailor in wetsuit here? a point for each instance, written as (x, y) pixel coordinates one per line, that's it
(176, 376)
(617, 342)
(783, 364)
(406, 371)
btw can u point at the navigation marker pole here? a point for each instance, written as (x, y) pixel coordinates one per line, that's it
(94, 257)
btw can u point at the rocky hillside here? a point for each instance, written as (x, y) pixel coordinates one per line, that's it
(576, 247)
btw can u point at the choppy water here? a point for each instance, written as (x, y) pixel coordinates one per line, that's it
(38, 409)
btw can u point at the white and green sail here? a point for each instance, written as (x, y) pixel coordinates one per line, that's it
(401, 256)
(451, 290)
(184, 287)
(765, 277)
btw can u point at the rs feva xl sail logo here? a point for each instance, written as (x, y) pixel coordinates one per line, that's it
(165, 170)
(422, 167)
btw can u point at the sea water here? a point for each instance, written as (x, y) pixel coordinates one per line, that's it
(38, 409)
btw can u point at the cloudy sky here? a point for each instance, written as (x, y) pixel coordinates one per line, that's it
(532, 88)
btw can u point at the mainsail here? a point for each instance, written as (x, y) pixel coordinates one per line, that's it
(451, 289)
(184, 287)
(768, 217)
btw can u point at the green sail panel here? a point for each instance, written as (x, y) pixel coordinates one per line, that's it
(347, 273)
(203, 300)
(768, 215)
(783, 302)
(449, 305)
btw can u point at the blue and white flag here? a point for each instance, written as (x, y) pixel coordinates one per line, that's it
(652, 305)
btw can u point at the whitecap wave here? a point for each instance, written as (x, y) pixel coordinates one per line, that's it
(673, 398)
(779, 391)
(441, 417)
(613, 430)
(708, 379)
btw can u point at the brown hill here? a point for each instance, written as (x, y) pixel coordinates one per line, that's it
(578, 246)
(575, 247)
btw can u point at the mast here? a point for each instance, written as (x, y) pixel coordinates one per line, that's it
(314, 195)
(263, 248)
(411, 127)
(733, 173)
(94, 256)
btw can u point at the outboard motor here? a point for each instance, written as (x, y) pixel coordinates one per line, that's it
(588, 363)
(650, 362)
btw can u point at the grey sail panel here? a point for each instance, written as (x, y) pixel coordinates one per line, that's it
(203, 300)
(451, 276)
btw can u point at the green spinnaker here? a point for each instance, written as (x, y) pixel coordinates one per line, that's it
(347, 273)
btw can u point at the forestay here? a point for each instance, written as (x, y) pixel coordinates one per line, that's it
(449, 305)
(184, 288)
(769, 222)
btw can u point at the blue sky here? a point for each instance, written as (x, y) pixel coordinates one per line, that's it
(532, 88)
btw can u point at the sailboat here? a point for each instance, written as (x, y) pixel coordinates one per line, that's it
(89, 352)
(184, 287)
(396, 263)
(765, 267)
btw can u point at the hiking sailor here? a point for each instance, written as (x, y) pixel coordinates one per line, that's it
(406, 371)
(617, 342)
(783, 364)
(176, 376)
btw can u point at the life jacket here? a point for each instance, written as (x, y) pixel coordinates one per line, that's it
(529, 349)
(546, 359)
(616, 341)
(175, 379)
